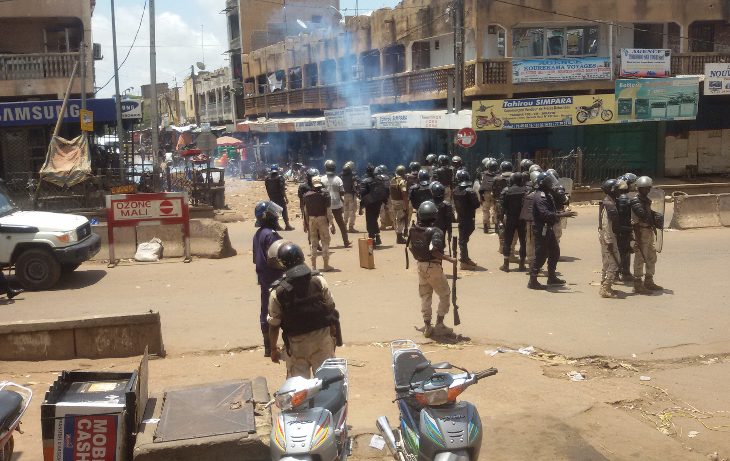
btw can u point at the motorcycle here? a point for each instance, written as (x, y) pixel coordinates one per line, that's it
(590, 112)
(483, 121)
(14, 401)
(312, 424)
(433, 425)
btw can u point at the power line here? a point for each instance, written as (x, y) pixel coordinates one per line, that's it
(139, 26)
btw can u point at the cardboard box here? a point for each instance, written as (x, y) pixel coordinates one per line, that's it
(365, 247)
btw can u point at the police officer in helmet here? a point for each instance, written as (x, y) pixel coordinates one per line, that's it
(511, 202)
(350, 185)
(302, 307)
(276, 189)
(373, 194)
(335, 187)
(305, 187)
(430, 164)
(525, 165)
(646, 223)
(608, 228)
(421, 191)
(625, 232)
(445, 217)
(399, 203)
(466, 203)
(445, 175)
(501, 181)
(426, 243)
(486, 185)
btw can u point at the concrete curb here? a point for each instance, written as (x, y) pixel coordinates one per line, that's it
(696, 211)
(123, 335)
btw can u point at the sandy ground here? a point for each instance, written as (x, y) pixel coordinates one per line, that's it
(531, 410)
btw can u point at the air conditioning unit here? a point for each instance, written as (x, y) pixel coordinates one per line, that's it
(96, 51)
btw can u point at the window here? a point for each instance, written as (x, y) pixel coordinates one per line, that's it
(555, 42)
(702, 37)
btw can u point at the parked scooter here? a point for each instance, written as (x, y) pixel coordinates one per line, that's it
(312, 424)
(433, 425)
(14, 401)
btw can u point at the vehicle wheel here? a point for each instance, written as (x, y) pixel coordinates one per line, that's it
(68, 268)
(37, 269)
(6, 452)
(497, 122)
(581, 116)
(607, 115)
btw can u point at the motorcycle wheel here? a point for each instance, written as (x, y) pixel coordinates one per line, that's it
(497, 122)
(6, 452)
(606, 115)
(581, 116)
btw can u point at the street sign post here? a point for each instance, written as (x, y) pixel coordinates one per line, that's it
(132, 210)
(466, 137)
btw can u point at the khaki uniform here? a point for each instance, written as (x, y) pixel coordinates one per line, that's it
(386, 220)
(610, 259)
(319, 231)
(488, 211)
(399, 208)
(431, 278)
(645, 251)
(529, 245)
(306, 352)
(350, 210)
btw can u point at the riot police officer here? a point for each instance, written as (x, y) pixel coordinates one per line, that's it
(526, 218)
(500, 182)
(411, 180)
(429, 165)
(426, 243)
(511, 202)
(608, 225)
(646, 222)
(486, 185)
(302, 306)
(381, 174)
(276, 189)
(372, 195)
(335, 187)
(456, 164)
(399, 203)
(466, 203)
(318, 204)
(350, 185)
(305, 187)
(445, 217)
(525, 165)
(545, 215)
(445, 175)
(420, 192)
(625, 231)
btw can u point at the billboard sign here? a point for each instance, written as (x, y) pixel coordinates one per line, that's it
(131, 109)
(561, 70)
(657, 99)
(46, 112)
(545, 112)
(717, 79)
(643, 63)
(349, 118)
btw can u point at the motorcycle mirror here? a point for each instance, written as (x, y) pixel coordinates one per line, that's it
(421, 367)
(441, 366)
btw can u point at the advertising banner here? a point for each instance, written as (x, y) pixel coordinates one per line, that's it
(641, 62)
(717, 79)
(349, 118)
(47, 112)
(657, 99)
(546, 112)
(397, 120)
(315, 124)
(560, 70)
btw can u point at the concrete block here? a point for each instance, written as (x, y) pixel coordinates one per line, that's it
(171, 236)
(723, 202)
(209, 239)
(125, 242)
(122, 335)
(695, 211)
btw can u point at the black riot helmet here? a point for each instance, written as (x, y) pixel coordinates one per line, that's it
(443, 160)
(427, 213)
(414, 167)
(267, 214)
(553, 172)
(312, 172)
(431, 159)
(348, 166)
(329, 166)
(462, 178)
(517, 179)
(400, 170)
(370, 170)
(423, 178)
(290, 255)
(381, 169)
(492, 166)
(525, 165)
(546, 182)
(505, 166)
(608, 186)
(438, 191)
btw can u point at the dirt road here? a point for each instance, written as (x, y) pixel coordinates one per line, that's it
(531, 410)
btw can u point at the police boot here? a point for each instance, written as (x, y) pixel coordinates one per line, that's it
(467, 264)
(12, 293)
(639, 287)
(377, 240)
(650, 285)
(606, 291)
(626, 277)
(554, 280)
(400, 240)
(427, 328)
(267, 345)
(440, 329)
(314, 263)
(533, 284)
(486, 228)
(522, 267)
(505, 267)
(289, 227)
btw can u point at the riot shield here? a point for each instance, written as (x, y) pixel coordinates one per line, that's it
(567, 184)
(658, 206)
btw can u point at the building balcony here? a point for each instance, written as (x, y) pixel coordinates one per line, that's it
(39, 74)
(216, 112)
(694, 63)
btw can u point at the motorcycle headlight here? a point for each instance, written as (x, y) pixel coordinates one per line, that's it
(433, 398)
(67, 237)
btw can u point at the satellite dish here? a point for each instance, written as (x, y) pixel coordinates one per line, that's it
(302, 23)
(200, 65)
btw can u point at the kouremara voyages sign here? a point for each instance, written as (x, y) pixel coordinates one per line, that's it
(561, 69)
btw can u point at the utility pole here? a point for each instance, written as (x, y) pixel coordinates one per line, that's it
(195, 96)
(458, 17)
(82, 58)
(154, 122)
(120, 128)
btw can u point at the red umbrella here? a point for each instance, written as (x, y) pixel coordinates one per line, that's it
(229, 141)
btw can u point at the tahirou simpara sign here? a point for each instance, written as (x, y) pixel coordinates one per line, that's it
(546, 112)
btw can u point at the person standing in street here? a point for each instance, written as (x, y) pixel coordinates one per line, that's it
(646, 222)
(501, 181)
(302, 307)
(625, 233)
(305, 187)
(276, 190)
(334, 186)
(429, 165)
(421, 191)
(426, 243)
(267, 221)
(411, 180)
(381, 174)
(486, 184)
(545, 215)
(319, 214)
(608, 225)
(511, 202)
(399, 203)
(445, 217)
(372, 195)
(527, 218)
(445, 175)
(466, 203)
(350, 185)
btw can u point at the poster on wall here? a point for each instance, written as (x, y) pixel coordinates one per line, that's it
(642, 63)
(657, 99)
(546, 112)
(561, 70)
(717, 79)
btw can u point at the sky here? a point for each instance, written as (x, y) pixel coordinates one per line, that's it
(179, 37)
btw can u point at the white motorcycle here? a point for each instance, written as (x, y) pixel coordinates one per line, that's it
(14, 401)
(312, 424)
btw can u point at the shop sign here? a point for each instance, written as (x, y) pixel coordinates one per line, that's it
(317, 124)
(397, 120)
(642, 62)
(657, 99)
(131, 109)
(46, 112)
(349, 118)
(545, 112)
(717, 79)
(561, 69)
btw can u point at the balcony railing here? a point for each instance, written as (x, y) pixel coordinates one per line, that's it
(694, 63)
(36, 66)
(214, 112)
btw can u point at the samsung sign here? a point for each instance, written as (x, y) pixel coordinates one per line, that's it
(47, 112)
(131, 109)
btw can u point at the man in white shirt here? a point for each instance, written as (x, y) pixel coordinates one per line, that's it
(333, 184)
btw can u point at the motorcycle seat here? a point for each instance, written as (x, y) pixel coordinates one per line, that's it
(405, 363)
(11, 403)
(332, 398)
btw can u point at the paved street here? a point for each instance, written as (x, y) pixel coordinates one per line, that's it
(531, 410)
